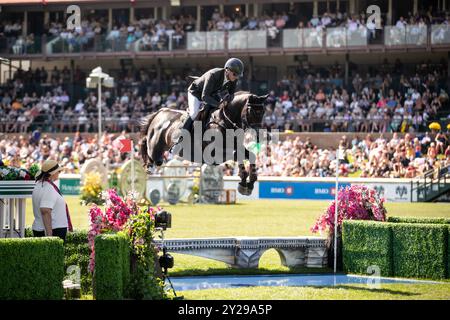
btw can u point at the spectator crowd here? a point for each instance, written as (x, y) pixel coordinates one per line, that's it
(366, 156)
(147, 33)
(71, 153)
(386, 99)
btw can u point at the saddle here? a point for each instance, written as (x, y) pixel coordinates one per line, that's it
(204, 115)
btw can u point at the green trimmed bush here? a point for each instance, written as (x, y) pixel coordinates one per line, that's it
(438, 220)
(77, 252)
(420, 250)
(112, 266)
(448, 253)
(367, 243)
(31, 268)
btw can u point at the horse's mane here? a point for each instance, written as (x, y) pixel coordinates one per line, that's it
(239, 97)
(241, 92)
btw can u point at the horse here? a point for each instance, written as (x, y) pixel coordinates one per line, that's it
(245, 111)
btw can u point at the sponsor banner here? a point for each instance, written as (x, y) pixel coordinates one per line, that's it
(69, 186)
(298, 190)
(392, 192)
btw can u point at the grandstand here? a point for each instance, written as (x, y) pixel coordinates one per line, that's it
(329, 73)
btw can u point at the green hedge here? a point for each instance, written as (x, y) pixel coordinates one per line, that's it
(367, 243)
(77, 252)
(31, 268)
(439, 220)
(112, 266)
(420, 250)
(428, 220)
(400, 249)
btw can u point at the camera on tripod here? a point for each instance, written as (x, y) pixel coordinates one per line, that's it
(166, 261)
(163, 220)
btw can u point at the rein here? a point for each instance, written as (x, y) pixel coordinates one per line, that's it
(235, 126)
(245, 123)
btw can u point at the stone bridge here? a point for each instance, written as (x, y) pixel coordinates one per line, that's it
(245, 252)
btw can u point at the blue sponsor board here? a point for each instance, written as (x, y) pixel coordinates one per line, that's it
(298, 190)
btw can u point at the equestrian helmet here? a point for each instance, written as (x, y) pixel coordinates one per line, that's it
(235, 65)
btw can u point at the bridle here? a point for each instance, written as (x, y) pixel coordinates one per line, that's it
(245, 111)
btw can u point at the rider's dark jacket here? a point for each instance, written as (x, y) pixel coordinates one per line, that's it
(212, 87)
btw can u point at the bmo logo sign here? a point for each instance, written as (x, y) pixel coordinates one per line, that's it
(283, 191)
(308, 190)
(325, 191)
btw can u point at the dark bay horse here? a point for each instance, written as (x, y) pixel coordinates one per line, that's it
(160, 129)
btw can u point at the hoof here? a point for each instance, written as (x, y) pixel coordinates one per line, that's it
(244, 190)
(151, 170)
(159, 163)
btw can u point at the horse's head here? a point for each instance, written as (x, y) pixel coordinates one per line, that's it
(253, 111)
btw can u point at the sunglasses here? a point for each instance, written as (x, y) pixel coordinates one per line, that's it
(233, 73)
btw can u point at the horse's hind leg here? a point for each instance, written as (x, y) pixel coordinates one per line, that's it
(157, 154)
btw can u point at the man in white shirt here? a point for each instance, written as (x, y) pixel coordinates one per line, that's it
(326, 20)
(401, 23)
(415, 95)
(79, 106)
(320, 111)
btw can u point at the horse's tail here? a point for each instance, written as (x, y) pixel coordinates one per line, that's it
(145, 124)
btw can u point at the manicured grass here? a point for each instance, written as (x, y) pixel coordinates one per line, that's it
(342, 292)
(249, 218)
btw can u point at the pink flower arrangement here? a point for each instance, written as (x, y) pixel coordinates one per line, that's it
(113, 218)
(355, 203)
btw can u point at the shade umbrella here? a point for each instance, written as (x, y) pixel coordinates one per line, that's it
(435, 126)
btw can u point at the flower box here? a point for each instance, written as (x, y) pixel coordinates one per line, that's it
(17, 174)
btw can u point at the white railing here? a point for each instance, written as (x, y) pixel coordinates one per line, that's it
(305, 38)
(440, 34)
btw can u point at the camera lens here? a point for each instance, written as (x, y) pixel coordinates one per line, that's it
(163, 220)
(166, 261)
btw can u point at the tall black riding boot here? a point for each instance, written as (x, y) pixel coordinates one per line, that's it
(187, 125)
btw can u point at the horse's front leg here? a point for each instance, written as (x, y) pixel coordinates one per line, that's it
(245, 187)
(243, 174)
(253, 171)
(253, 177)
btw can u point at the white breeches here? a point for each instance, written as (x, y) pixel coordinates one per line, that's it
(194, 106)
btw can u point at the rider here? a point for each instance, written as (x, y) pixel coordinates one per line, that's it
(213, 87)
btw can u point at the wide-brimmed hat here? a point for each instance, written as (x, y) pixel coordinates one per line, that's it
(51, 167)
